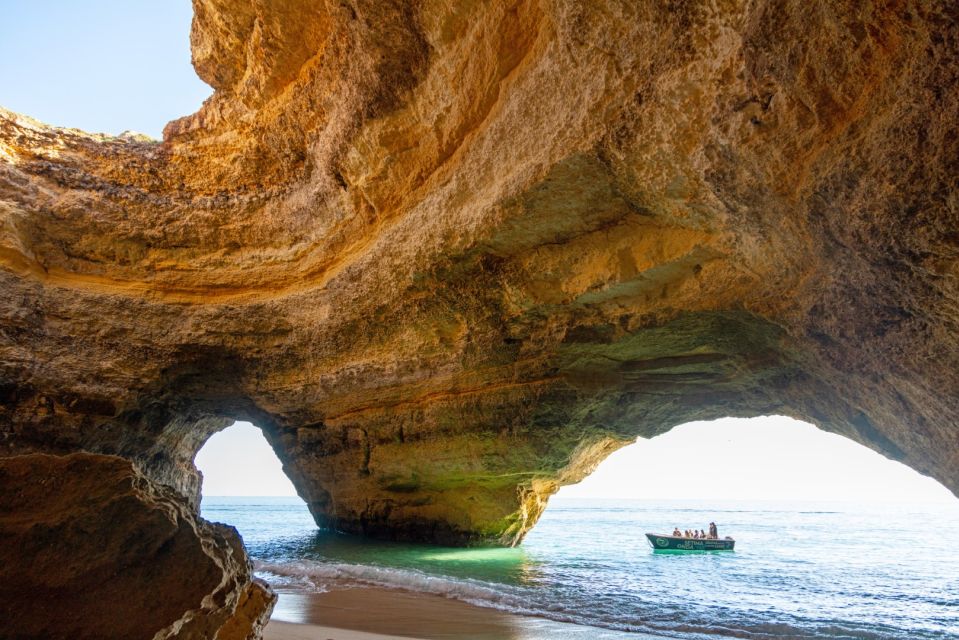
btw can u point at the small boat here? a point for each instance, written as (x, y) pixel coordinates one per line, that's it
(660, 542)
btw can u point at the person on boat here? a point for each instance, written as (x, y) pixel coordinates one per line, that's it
(702, 534)
(687, 534)
(695, 534)
(713, 531)
(676, 533)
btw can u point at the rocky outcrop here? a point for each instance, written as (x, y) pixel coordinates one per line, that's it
(91, 549)
(449, 255)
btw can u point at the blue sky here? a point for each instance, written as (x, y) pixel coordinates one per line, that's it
(104, 66)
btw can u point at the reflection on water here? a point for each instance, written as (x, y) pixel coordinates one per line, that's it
(511, 566)
(294, 606)
(394, 612)
(799, 571)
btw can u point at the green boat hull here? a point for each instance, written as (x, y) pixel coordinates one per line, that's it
(673, 543)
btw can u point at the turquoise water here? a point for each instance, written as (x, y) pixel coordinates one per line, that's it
(799, 570)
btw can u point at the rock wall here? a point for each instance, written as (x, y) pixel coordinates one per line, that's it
(89, 549)
(449, 255)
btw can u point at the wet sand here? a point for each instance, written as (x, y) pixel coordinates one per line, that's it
(381, 614)
(277, 630)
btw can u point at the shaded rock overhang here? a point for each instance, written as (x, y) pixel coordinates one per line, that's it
(450, 255)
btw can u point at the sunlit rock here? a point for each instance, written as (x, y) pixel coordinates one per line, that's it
(448, 255)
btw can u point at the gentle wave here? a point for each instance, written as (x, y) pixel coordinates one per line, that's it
(323, 576)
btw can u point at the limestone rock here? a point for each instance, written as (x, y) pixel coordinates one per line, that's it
(449, 255)
(89, 548)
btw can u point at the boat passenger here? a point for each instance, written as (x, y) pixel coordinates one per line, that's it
(713, 531)
(695, 534)
(702, 534)
(676, 533)
(686, 534)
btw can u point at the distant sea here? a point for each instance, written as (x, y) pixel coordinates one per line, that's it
(800, 570)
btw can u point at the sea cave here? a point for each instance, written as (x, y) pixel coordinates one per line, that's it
(449, 256)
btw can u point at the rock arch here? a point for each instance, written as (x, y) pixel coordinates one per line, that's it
(448, 256)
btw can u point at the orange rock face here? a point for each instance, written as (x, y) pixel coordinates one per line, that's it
(449, 255)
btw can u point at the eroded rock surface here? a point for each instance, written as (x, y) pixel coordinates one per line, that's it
(449, 255)
(90, 549)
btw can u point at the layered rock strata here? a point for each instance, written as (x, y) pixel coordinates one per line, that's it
(449, 255)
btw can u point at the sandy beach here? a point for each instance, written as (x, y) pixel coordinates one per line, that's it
(278, 630)
(381, 614)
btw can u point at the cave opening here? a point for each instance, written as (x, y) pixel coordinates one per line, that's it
(769, 458)
(238, 461)
(102, 71)
(245, 486)
(743, 473)
(826, 530)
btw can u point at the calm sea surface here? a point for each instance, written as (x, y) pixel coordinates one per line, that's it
(799, 570)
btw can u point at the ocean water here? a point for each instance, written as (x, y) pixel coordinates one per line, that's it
(800, 570)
